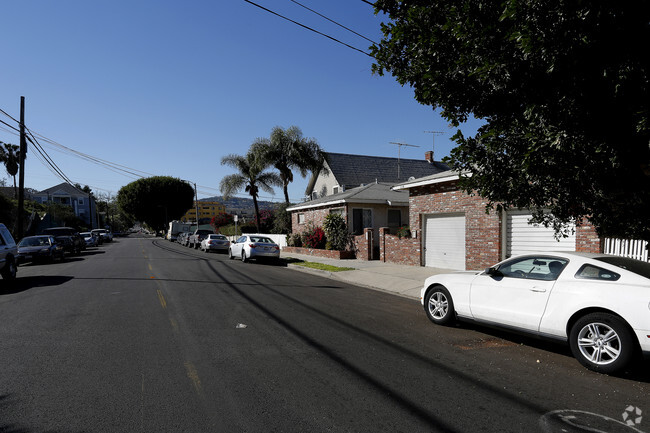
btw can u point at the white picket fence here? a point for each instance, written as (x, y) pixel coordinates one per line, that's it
(635, 249)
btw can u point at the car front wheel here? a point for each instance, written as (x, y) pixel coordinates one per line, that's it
(230, 255)
(10, 270)
(439, 306)
(602, 342)
(243, 256)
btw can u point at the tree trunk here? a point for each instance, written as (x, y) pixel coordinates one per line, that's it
(257, 213)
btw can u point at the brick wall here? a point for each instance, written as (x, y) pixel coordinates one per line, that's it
(404, 251)
(587, 240)
(482, 230)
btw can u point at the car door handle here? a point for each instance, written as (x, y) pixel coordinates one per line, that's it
(538, 289)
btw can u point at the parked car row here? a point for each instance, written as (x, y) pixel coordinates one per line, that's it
(53, 244)
(245, 248)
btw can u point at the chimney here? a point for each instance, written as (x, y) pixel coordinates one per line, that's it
(428, 155)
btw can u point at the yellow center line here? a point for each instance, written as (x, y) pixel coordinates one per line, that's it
(194, 377)
(161, 298)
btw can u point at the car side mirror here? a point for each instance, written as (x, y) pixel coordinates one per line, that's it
(493, 272)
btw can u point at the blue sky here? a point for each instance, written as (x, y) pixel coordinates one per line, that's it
(169, 87)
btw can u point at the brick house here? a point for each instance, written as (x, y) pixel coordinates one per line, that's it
(344, 171)
(451, 229)
(364, 207)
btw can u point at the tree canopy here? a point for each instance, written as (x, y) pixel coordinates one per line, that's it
(564, 92)
(287, 149)
(251, 176)
(155, 200)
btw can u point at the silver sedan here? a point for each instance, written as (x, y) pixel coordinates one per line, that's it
(215, 243)
(254, 247)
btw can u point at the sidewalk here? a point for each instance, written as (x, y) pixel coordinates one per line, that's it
(401, 280)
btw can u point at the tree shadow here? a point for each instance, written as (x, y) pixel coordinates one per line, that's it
(22, 284)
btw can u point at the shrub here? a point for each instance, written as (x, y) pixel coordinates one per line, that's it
(336, 231)
(314, 238)
(294, 240)
(404, 232)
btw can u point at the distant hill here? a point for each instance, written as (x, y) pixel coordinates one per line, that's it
(234, 203)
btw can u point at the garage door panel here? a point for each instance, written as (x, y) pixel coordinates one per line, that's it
(524, 238)
(445, 242)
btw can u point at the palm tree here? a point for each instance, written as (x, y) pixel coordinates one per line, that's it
(251, 177)
(287, 150)
(10, 157)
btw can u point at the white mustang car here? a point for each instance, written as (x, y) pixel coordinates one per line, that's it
(599, 303)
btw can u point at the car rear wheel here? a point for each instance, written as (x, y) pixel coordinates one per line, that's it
(602, 342)
(439, 306)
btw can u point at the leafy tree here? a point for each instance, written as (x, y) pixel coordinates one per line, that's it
(220, 220)
(287, 150)
(10, 157)
(563, 90)
(251, 176)
(155, 200)
(282, 219)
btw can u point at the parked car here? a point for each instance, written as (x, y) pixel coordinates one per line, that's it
(254, 247)
(215, 243)
(40, 249)
(595, 302)
(90, 239)
(106, 235)
(78, 244)
(184, 238)
(196, 237)
(8, 253)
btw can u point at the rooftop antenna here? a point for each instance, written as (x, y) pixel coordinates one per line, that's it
(398, 153)
(433, 144)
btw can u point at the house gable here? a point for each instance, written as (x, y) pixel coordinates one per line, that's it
(347, 171)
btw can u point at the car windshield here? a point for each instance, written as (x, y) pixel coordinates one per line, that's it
(33, 242)
(261, 240)
(632, 265)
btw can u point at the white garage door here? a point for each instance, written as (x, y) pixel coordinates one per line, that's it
(524, 238)
(445, 242)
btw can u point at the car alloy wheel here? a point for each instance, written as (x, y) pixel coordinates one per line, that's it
(602, 342)
(439, 306)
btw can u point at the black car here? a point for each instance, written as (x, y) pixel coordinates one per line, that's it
(78, 242)
(40, 248)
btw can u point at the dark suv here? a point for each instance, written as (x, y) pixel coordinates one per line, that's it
(72, 241)
(8, 254)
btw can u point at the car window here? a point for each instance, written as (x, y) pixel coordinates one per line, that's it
(265, 240)
(536, 268)
(592, 272)
(241, 239)
(5, 237)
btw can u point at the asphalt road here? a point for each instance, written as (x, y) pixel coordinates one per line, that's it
(142, 335)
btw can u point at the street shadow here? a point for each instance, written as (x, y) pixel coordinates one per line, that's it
(6, 403)
(22, 284)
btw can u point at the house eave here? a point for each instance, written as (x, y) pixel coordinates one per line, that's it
(424, 181)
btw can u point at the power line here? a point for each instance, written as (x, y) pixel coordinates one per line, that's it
(332, 21)
(308, 28)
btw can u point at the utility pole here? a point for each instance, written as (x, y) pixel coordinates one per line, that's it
(196, 204)
(21, 177)
(398, 153)
(433, 144)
